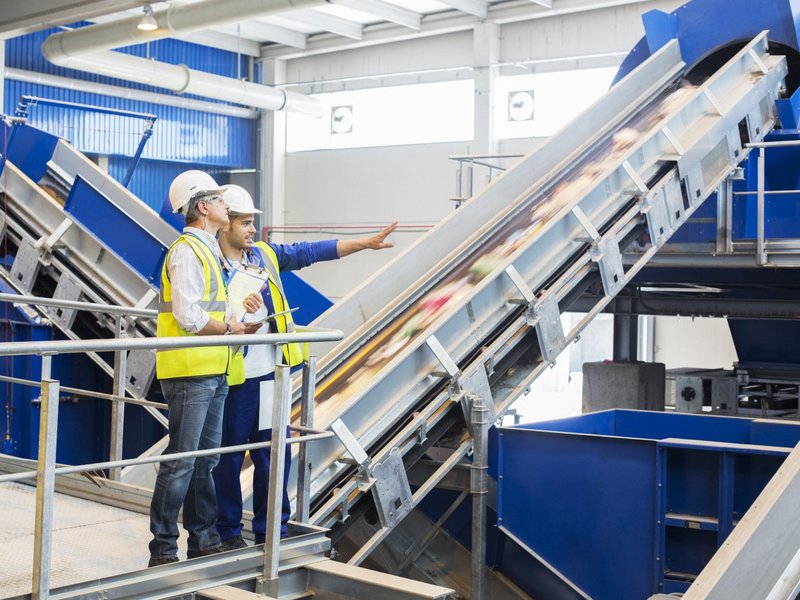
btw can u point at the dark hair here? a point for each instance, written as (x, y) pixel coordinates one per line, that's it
(191, 214)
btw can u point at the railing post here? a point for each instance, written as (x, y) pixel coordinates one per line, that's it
(117, 407)
(45, 483)
(306, 421)
(724, 243)
(459, 182)
(479, 487)
(761, 254)
(277, 453)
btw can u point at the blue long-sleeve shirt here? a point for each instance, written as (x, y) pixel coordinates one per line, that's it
(292, 257)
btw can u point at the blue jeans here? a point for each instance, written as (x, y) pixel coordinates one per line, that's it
(195, 423)
(240, 426)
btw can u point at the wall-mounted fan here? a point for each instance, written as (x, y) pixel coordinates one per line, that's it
(341, 119)
(520, 105)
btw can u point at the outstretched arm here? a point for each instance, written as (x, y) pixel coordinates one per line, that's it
(376, 242)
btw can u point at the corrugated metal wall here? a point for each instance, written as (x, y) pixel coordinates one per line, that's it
(185, 138)
(151, 179)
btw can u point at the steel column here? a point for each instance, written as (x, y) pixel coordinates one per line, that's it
(479, 487)
(306, 421)
(118, 408)
(46, 480)
(725, 217)
(277, 453)
(761, 254)
(626, 332)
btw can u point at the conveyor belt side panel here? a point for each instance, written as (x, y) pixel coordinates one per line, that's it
(116, 230)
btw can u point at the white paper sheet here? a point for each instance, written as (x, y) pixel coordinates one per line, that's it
(266, 400)
(242, 284)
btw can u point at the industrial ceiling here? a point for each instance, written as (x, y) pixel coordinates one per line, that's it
(296, 28)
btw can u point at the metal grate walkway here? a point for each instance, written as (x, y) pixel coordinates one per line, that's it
(90, 540)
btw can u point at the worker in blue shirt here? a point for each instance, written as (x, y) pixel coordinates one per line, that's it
(240, 423)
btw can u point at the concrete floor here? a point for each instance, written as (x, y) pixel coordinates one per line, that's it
(90, 540)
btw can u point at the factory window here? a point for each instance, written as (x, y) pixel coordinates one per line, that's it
(540, 104)
(407, 114)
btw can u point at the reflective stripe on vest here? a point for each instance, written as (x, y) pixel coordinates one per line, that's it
(192, 362)
(292, 353)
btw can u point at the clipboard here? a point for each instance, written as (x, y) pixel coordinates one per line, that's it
(242, 283)
(277, 314)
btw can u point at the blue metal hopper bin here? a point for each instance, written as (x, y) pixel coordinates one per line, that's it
(628, 503)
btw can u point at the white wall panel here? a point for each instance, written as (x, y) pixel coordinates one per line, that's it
(700, 343)
(440, 52)
(601, 31)
(367, 186)
(412, 183)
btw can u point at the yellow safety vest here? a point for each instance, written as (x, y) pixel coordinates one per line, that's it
(293, 354)
(192, 362)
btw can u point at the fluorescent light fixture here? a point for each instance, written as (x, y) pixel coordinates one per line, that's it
(148, 21)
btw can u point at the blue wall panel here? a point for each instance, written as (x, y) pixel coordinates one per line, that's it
(179, 134)
(151, 178)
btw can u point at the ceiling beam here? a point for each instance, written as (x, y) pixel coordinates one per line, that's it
(326, 22)
(18, 18)
(222, 41)
(259, 30)
(444, 23)
(387, 12)
(213, 39)
(479, 8)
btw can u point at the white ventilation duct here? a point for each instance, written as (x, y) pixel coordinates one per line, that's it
(92, 87)
(85, 49)
(183, 80)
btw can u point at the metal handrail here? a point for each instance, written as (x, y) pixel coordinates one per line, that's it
(145, 460)
(166, 343)
(472, 160)
(768, 193)
(86, 393)
(772, 144)
(26, 102)
(46, 469)
(761, 246)
(111, 309)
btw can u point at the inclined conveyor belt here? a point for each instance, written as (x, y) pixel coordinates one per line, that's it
(474, 307)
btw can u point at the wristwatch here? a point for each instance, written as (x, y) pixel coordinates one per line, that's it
(228, 329)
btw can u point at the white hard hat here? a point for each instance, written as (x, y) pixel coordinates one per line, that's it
(239, 201)
(190, 184)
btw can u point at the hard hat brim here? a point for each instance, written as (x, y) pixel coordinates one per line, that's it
(255, 211)
(200, 194)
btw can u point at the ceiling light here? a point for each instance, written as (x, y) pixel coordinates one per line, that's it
(148, 21)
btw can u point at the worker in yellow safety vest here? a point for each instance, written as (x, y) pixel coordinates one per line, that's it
(251, 389)
(193, 300)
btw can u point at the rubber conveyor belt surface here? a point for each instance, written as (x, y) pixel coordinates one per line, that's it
(484, 290)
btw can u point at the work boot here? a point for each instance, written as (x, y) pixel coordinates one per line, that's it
(156, 561)
(205, 552)
(233, 543)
